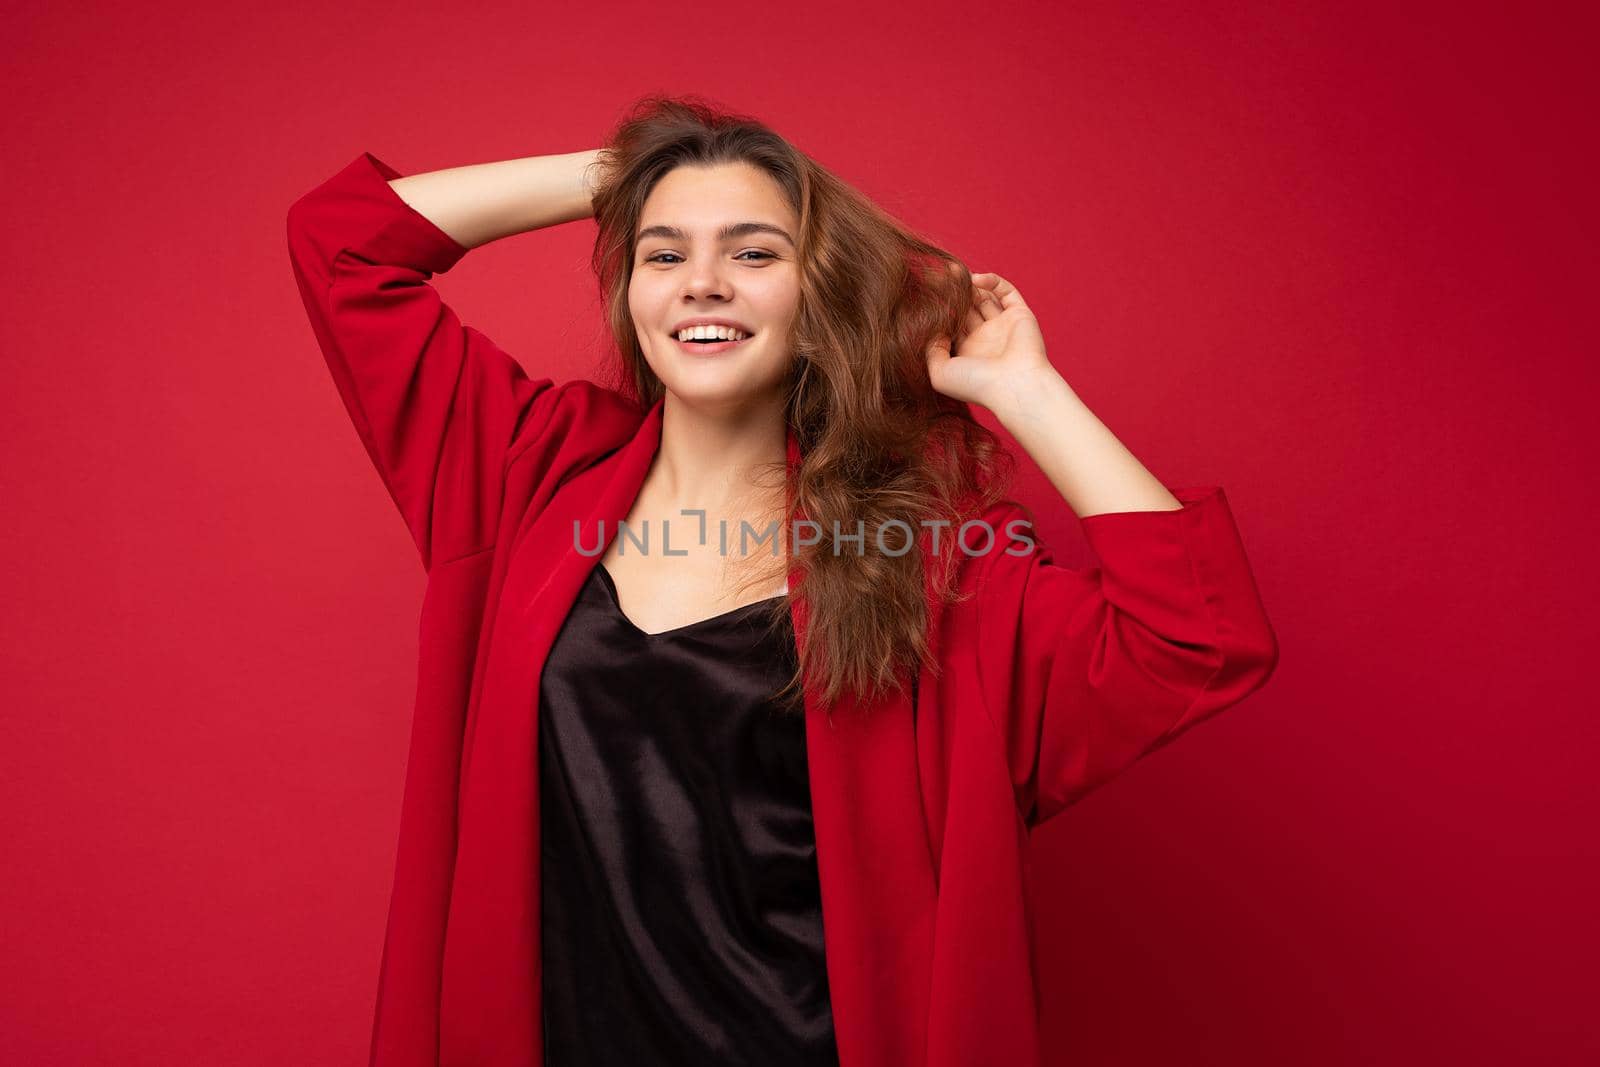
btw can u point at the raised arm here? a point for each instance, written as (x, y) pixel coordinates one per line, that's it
(484, 202)
(1086, 671)
(436, 404)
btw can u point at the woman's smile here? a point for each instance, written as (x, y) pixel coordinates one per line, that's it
(710, 348)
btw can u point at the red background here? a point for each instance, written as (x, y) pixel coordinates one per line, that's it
(1331, 256)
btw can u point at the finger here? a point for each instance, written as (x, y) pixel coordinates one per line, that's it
(973, 320)
(1003, 290)
(986, 304)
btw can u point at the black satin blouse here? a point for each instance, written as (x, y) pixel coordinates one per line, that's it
(682, 914)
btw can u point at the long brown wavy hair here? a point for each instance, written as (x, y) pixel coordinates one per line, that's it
(878, 442)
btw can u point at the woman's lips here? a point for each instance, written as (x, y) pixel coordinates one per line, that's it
(704, 348)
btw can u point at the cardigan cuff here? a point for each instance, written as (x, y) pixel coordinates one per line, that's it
(1181, 571)
(402, 236)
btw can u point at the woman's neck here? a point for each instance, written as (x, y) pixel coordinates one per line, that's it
(716, 460)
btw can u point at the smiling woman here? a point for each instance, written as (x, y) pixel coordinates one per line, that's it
(708, 217)
(690, 806)
(698, 279)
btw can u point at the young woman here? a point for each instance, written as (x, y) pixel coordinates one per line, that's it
(742, 682)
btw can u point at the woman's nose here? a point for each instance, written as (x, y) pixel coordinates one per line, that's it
(705, 281)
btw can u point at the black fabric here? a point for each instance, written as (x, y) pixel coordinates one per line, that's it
(682, 915)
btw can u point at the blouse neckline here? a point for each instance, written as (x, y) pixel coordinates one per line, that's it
(616, 604)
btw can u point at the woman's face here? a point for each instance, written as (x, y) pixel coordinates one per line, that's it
(686, 269)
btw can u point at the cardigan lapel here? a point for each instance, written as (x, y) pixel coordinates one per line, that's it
(879, 888)
(878, 885)
(874, 863)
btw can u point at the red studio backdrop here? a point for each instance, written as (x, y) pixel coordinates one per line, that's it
(1331, 256)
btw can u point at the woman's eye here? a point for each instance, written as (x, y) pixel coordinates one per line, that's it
(657, 258)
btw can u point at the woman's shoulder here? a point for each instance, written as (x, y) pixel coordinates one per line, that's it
(602, 401)
(993, 544)
(575, 424)
(583, 408)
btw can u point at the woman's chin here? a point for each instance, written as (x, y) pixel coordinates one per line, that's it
(718, 389)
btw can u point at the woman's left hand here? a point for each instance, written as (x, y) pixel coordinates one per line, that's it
(998, 350)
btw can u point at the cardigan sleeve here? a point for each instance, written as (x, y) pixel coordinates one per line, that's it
(1086, 671)
(437, 405)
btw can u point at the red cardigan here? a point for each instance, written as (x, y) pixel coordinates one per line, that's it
(1051, 681)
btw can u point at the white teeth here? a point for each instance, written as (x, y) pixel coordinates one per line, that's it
(719, 333)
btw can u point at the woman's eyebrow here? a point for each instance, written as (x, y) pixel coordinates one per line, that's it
(731, 231)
